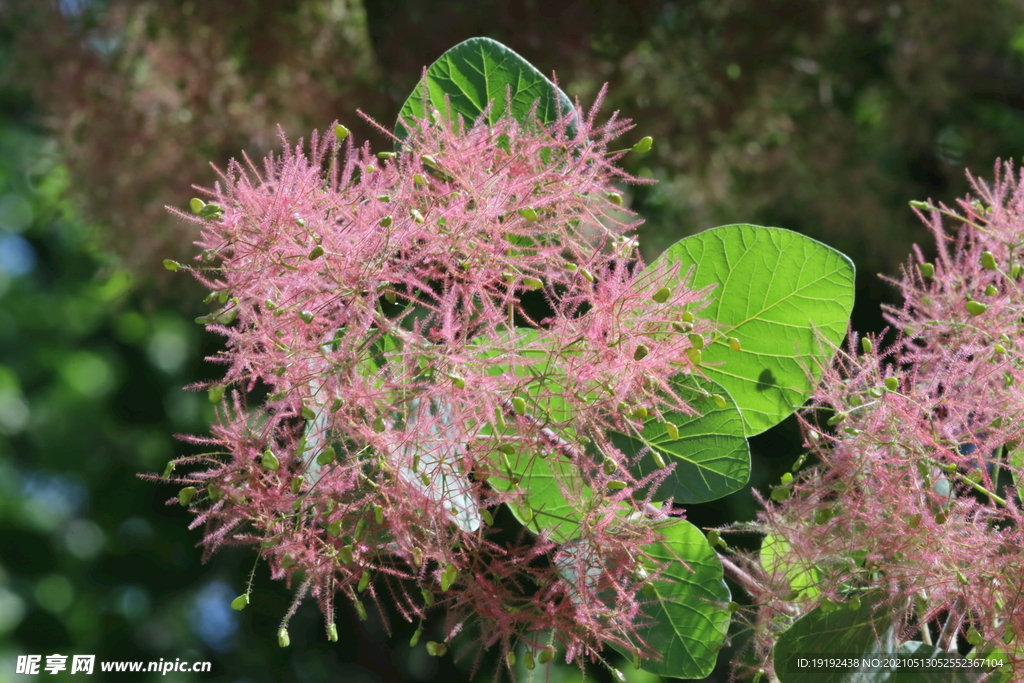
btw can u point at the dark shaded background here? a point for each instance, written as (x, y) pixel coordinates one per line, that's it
(822, 116)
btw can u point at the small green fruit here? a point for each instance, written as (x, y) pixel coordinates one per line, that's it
(282, 637)
(734, 344)
(240, 602)
(988, 260)
(927, 269)
(644, 145)
(528, 213)
(435, 649)
(518, 405)
(186, 495)
(662, 295)
(270, 460)
(340, 132)
(892, 384)
(326, 456)
(317, 252)
(216, 392)
(640, 352)
(415, 640)
(332, 633)
(171, 265)
(975, 308)
(307, 316)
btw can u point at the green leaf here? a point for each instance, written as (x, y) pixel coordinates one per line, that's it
(545, 506)
(840, 632)
(475, 73)
(785, 297)
(778, 561)
(689, 613)
(711, 454)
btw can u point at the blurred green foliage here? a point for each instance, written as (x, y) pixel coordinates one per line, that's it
(820, 116)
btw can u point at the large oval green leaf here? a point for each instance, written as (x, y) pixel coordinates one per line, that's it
(855, 633)
(689, 613)
(475, 73)
(711, 455)
(785, 297)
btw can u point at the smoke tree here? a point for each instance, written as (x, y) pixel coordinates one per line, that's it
(452, 385)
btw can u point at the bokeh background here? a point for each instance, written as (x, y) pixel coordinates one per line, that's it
(822, 116)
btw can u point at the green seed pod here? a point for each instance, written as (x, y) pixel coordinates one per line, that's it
(639, 413)
(719, 400)
(609, 467)
(975, 308)
(734, 607)
(435, 649)
(734, 344)
(571, 267)
(988, 260)
(326, 456)
(307, 413)
(171, 265)
(186, 495)
(662, 295)
(545, 656)
(643, 145)
(617, 675)
(449, 576)
(528, 213)
(781, 493)
(999, 348)
(1016, 271)
(317, 252)
(415, 640)
(640, 352)
(510, 659)
(345, 554)
(425, 479)
(360, 610)
(648, 590)
(672, 431)
(239, 603)
(694, 355)
(587, 274)
(332, 633)
(435, 116)
(334, 528)
(297, 484)
(528, 661)
(428, 597)
(835, 419)
(827, 606)
(307, 316)
(227, 317)
(973, 636)
(287, 562)
(378, 424)
(787, 478)
(614, 197)
(923, 206)
(876, 392)
(386, 222)
(991, 290)
(697, 341)
(216, 392)
(378, 514)
(386, 155)
(486, 515)
(417, 216)
(364, 581)
(927, 269)
(865, 345)
(270, 460)
(197, 205)
(417, 557)
(713, 536)
(1008, 635)
(418, 179)
(687, 317)
(518, 405)
(532, 283)
(616, 485)
(892, 384)
(282, 637)
(215, 492)
(658, 460)
(340, 132)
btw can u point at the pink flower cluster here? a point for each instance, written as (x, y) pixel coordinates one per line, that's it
(914, 497)
(439, 332)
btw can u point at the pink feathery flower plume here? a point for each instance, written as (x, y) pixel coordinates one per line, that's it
(916, 500)
(382, 304)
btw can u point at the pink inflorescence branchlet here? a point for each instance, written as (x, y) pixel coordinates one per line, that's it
(431, 329)
(915, 500)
